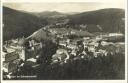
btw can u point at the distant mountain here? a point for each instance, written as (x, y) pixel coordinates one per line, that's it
(103, 20)
(52, 17)
(19, 24)
(110, 20)
(49, 14)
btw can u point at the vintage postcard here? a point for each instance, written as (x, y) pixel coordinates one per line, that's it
(63, 41)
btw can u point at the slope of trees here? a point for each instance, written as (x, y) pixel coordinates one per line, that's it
(102, 67)
(109, 19)
(19, 24)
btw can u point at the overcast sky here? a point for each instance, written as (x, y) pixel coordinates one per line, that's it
(66, 6)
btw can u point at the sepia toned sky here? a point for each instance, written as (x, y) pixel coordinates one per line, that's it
(65, 6)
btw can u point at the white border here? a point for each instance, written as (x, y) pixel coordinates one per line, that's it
(58, 0)
(126, 40)
(67, 81)
(1, 39)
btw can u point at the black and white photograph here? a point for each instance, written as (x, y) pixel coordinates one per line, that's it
(63, 41)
